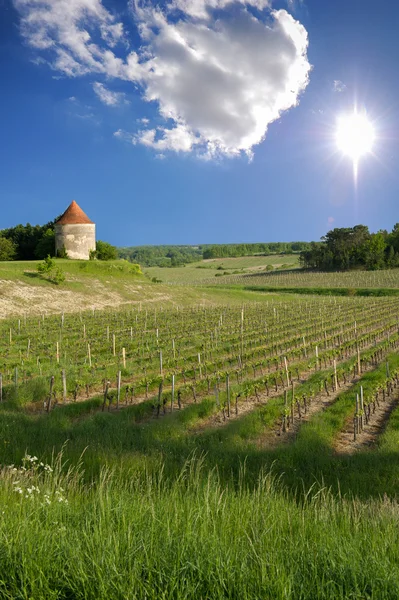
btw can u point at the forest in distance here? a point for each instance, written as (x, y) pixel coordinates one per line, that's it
(340, 249)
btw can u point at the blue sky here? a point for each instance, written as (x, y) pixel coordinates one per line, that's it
(172, 124)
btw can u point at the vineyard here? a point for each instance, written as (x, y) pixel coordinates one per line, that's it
(186, 353)
(307, 279)
(243, 450)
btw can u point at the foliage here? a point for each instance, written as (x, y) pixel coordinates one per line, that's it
(8, 249)
(177, 256)
(353, 248)
(62, 253)
(161, 256)
(46, 245)
(49, 270)
(105, 251)
(31, 241)
(234, 250)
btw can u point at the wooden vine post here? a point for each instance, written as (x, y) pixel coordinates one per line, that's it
(228, 394)
(217, 395)
(50, 394)
(159, 397)
(284, 427)
(118, 386)
(16, 381)
(361, 408)
(172, 396)
(64, 386)
(292, 404)
(286, 371)
(335, 375)
(107, 384)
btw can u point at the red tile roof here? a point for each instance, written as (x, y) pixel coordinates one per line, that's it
(74, 215)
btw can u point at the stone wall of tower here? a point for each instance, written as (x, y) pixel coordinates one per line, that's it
(77, 240)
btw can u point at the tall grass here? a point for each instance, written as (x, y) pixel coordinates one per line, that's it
(193, 538)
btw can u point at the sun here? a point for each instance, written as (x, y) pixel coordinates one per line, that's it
(355, 135)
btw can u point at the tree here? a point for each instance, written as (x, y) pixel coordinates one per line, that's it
(7, 249)
(375, 252)
(26, 239)
(46, 245)
(105, 251)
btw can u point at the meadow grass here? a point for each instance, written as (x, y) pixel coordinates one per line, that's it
(193, 538)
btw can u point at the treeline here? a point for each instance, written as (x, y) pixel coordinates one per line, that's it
(31, 242)
(177, 256)
(236, 250)
(27, 242)
(353, 248)
(161, 256)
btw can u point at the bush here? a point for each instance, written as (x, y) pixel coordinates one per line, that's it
(62, 253)
(49, 270)
(105, 251)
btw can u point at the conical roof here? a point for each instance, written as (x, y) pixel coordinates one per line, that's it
(74, 215)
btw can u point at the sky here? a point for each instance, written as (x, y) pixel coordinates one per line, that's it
(198, 121)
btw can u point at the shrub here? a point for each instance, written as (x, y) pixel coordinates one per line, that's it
(105, 251)
(49, 270)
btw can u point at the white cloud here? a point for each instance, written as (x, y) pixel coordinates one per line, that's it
(217, 82)
(63, 27)
(338, 86)
(107, 96)
(179, 138)
(202, 8)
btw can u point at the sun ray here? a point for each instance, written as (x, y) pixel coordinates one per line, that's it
(355, 136)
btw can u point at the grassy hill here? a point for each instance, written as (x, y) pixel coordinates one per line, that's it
(214, 267)
(98, 285)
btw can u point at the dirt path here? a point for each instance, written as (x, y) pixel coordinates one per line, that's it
(345, 442)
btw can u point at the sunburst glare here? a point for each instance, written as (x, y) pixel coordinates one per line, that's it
(355, 137)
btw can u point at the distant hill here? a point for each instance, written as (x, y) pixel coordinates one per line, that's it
(176, 256)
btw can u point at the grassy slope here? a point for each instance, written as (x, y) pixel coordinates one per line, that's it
(96, 285)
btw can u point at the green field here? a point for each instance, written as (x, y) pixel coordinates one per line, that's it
(195, 442)
(213, 268)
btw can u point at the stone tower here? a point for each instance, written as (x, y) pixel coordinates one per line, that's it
(75, 232)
